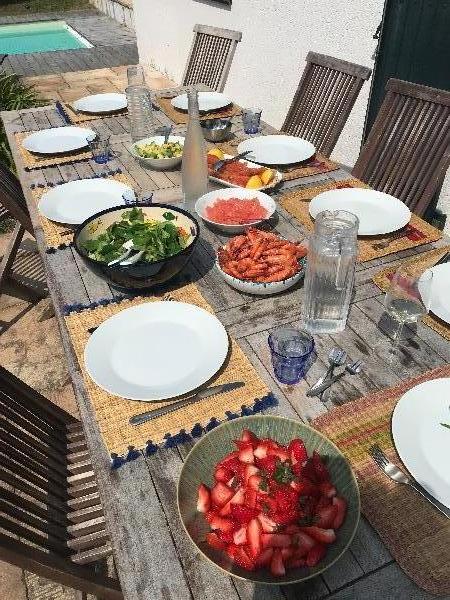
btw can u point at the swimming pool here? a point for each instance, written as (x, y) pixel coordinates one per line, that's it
(42, 36)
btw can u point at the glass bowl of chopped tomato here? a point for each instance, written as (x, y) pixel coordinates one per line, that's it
(268, 499)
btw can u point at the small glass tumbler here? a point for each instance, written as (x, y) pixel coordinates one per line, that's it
(291, 351)
(100, 148)
(131, 198)
(135, 75)
(251, 119)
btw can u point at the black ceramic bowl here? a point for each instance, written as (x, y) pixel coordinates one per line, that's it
(141, 275)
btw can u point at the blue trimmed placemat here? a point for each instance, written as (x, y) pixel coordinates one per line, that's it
(125, 441)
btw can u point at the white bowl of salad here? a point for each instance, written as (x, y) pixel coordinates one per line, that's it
(153, 151)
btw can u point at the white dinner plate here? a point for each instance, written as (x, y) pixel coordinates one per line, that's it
(277, 149)
(76, 201)
(57, 140)
(440, 291)
(421, 441)
(101, 103)
(206, 101)
(378, 213)
(156, 350)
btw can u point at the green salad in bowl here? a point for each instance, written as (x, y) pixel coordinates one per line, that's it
(164, 150)
(158, 154)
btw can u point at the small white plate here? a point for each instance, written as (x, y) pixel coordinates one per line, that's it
(422, 443)
(57, 140)
(440, 290)
(208, 199)
(378, 213)
(101, 103)
(156, 350)
(160, 164)
(76, 201)
(275, 181)
(207, 101)
(277, 149)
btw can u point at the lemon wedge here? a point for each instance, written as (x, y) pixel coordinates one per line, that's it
(216, 152)
(267, 176)
(254, 182)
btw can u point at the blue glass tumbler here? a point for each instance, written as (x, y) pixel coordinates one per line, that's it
(292, 353)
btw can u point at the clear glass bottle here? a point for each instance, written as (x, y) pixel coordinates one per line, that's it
(194, 167)
(140, 111)
(330, 272)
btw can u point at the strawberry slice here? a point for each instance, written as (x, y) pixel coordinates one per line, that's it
(286, 553)
(223, 474)
(322, 473)
(278, 451)
(276, 564)
(225, 536)
(325, 516)
(251, 497)
(275, 540)
(254, 536)
(295, 562)
(322, 503)
(249, 436)
(261, 450)
(268, 464)
(306, 471)
(240, 536)
(290, 529)
(315, 555)
(221, 494)
(303, 543)
(249, 470)
(254, 483)
(341, 505)
(324, 536)
(264, 558)
(246, 454)
(218, 522)
(242, 514)
(240, 557)
(213, 541)
(267, 524)
(204, 498)
(327, 489)
(229, 459)
(297, 451)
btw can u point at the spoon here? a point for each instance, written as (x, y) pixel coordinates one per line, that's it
(128, 246)
(133, 259)
(336, 358)
(167, 132)
(352, 368)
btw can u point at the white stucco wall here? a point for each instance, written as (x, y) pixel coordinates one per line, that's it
(277, 35)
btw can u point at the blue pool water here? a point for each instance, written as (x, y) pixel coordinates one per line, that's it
(39, 37)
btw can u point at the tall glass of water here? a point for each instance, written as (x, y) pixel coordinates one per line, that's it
(135, 75)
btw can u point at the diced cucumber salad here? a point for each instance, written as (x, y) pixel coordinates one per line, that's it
(154, 150)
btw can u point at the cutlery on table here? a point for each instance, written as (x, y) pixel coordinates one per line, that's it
(336, 358)
(352, 368)
(221, 163)
(444, 259)
(394, 473)
(164, 410)
(167, 132)
(132, 259)
(395, 236)
(128, 247)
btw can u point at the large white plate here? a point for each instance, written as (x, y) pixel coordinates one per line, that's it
(76, 201)
(57, 140)
(440, 291)
(277, 149)
(156, 350)
(275, 181)
(421, 442)
(206, 101)
(378, 213)
(101, 103)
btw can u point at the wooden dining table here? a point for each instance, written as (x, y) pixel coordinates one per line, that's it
(154, 557)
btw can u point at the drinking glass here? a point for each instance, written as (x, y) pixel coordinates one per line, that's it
(135, 198)
(135, 75)
(140, 112)
(251, 118)
(292, 353)
(100, 147)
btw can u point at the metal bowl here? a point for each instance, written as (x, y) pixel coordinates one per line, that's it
(216, 130)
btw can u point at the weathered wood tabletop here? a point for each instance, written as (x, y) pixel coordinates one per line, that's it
(154, 557)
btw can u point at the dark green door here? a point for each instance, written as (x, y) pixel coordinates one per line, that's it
(414, 45)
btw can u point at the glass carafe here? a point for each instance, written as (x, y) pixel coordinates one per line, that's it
(140, 112)
(330, 272)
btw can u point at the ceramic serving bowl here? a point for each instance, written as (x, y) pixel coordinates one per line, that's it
(199, 467)
(142, 274)
(160, 164)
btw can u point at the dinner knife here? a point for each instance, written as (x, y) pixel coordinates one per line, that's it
(444, 259)
(164, 410)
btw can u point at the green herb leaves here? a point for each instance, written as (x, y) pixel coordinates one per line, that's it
(283, 473)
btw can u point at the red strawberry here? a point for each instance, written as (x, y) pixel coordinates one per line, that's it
(221, 494)
(284, 517)
(249, 436)
(242, 514)
(225, 536)
(325, 516)
(246, 453)
(305, 487)
(290, 529)
(254, 483)
(327, 489)
(268, 464)
(240, 557)
(315, 555)
(287, 552)
(295, 562)
(324, 536)
(297, 451)
(223, 474)
(238, 498)
(320, 469)
(275, 540)
(249, 470)
(219, 522)
(213, 541)
(303, 543)
(276, 564)
(254, 536)
(267, 524)
(264, 558)
(261, 449)
(240, 536)
(229, 460)
(341, 505)
(279, 451)
(307, 470)
(251, 497)
(322, 503)
(204, 498)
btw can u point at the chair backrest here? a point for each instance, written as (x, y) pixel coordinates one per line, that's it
(407, 152)
(12, 198)
(324, 99)
(36, 437)
(211, 55)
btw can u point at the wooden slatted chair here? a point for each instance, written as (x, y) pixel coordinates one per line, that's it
(407, 152)
(51, 520)
(211, 55)
(324, 99)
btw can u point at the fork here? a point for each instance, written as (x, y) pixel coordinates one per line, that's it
(396, 236)
(336, 358)
(352, 368)
(394, 473)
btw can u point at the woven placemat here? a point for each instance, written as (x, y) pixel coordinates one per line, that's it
(58, 235)
(181, 118)
(34, 161)
(416, 533)
(314, 166)
(297, 204)
(80, 117)
(113, 413)
(423, 262)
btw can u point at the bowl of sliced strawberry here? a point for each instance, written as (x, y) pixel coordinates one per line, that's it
(268, 499)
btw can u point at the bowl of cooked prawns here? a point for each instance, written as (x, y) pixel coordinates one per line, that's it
(261, 263)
